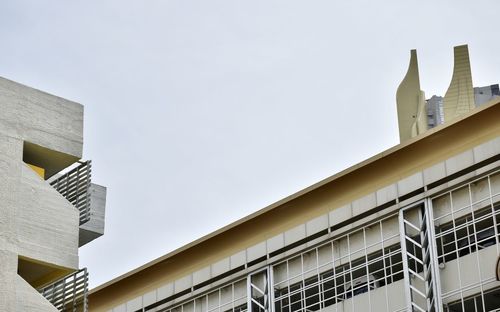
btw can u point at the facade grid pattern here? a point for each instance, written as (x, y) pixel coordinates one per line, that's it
(359, 262)
(467, 222)
(230, 297)
(363, 269)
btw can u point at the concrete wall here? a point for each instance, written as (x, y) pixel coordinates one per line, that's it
(94, 228)
(387, 298)
(36, 222)
(467, 273)
(40, 118)
(29, 300)
(47, 224)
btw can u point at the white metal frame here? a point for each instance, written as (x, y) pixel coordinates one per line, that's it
(266, 293)
(471, 220)
(203, 300)
(327, 271)
(426, 257)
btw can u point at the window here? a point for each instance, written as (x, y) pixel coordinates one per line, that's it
(353, 264)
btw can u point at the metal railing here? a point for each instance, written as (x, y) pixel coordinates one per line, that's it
(68, 294)
(74, 186)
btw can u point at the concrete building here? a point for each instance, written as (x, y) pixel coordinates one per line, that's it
(485, 94)
(414, 228)
(435, 114)
(48, 205)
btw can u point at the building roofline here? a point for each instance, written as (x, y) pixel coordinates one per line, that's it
(298, 194)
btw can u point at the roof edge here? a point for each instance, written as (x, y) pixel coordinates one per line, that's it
(293, 196)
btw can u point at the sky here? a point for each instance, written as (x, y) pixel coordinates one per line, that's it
(200, 112)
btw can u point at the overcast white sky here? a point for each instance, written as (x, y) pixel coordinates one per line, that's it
(198, 113)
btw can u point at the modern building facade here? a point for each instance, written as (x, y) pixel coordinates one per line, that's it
(414, 228)
(48, 205)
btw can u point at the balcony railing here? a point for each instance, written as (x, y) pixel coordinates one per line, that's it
(74, 186)
(69, 294)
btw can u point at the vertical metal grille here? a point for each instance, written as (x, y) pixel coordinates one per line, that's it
(259, 291)
(69, 294)
(419, 259)
(74, 186)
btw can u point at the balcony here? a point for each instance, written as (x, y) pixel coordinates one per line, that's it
(68, 293)
(90, 199)
(74, 186)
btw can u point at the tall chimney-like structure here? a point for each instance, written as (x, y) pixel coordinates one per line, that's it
(411, 103)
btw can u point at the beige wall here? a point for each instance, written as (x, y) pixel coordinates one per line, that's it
(459, 98)
(412, 119)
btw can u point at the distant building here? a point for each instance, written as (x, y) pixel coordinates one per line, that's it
(485, 94)
(414, 228)
(48, 205)
(434, 105)
(435, 115)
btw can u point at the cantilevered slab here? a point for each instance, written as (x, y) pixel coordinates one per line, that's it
(40, 118)
(94, 228)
